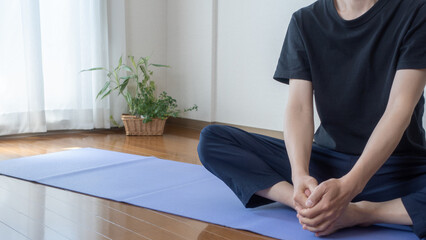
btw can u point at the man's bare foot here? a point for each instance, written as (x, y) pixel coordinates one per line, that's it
(356, 214)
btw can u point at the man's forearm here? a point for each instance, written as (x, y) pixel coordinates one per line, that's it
(406, 91)
(299, 128)
(298, 135)
(380, 146)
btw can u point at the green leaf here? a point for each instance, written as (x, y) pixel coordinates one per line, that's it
(120, 62)
(142, 67)
(195, 107)
(104, 88)
(160, 65)
(124, 85)
(106, 94)
(112, 120)
(132, 59)
(115, 75)
(125, 78)
(127, 68)
(128, 97)
(142, 61)
(93, 69)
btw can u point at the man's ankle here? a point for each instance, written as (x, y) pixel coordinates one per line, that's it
(367, 213)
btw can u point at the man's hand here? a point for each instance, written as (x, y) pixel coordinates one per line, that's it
(326, 204)
(303, 187)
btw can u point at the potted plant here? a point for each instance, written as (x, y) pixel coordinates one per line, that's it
(147, 111)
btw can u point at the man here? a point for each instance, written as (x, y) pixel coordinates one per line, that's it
(365, 63)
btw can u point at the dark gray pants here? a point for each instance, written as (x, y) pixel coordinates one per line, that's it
(249, 162)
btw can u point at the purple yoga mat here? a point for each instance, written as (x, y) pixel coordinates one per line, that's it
(179, 188)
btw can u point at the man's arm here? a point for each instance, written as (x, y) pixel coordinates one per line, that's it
(405, 94)
(299, 130)
(334, 195)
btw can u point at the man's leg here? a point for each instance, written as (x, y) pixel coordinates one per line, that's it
(257, 168)
(281, 192)
(415, 204)
(392, 212)
(247, 163)
(398, 193)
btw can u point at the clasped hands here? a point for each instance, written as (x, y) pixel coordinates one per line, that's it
(319, 206)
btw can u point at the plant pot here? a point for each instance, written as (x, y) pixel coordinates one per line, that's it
(134, 126)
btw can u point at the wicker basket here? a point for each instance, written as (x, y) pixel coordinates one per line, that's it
(135, 126)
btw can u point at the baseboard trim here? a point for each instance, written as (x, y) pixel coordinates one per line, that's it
(198, 125)
(188, 123)
(180, 122)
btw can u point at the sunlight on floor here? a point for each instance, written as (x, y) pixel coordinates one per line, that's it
(71, 148)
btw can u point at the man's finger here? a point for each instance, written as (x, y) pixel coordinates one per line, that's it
(312, 185)
(314, 211)
(297, 207)
(300, 199)
(321, 228)
(329, 230)
(315, 196)
(310, 222)
(307, 193)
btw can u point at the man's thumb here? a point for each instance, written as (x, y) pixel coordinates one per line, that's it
(311, 188)
(307, 192)
(314, 198)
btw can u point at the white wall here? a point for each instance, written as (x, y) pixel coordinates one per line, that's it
(146, 33)
(189, 52)
(223, 54)
(117, 48)
(250, 37)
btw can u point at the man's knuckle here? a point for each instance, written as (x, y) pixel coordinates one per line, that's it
(316, 222)
(326, 186)
(326, 226)
(321, 229)
(326, 206)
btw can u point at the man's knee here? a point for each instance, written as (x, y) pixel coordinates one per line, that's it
(211, 138)
(207, 138)
(213, 131)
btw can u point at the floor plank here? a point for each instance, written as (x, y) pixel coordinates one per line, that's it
(10, 233)
(33, 211)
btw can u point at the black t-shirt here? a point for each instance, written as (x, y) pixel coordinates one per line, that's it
(352, 65)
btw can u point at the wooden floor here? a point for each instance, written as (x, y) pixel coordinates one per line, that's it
(34, 211)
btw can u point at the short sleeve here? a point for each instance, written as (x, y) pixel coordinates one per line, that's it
(412, 53)
(293, 61)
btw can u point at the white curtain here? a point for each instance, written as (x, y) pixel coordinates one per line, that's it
(43, 46)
